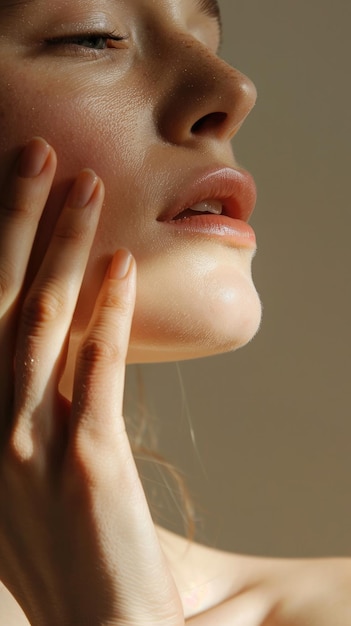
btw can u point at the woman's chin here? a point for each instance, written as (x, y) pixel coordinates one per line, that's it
(224, 326)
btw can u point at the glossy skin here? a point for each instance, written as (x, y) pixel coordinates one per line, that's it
(118, 112)
(77, 542)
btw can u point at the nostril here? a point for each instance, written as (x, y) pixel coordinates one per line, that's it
(210, 122)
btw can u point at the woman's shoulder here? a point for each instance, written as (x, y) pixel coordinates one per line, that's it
(207, 577)
(233, 589)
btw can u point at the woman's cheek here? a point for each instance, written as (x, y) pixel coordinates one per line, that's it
(85, 133)
(86, 130)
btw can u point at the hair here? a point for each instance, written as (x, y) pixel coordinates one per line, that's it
(165, 485)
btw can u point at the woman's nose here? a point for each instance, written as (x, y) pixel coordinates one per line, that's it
(203, 97)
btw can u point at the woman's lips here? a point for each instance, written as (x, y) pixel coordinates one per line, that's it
(234, 189)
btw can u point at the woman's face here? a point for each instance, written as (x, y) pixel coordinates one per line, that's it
(135, 90)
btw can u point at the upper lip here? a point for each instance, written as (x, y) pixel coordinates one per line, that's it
(235, 188)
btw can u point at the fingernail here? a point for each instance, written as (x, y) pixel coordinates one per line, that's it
(83, 189)
(120, 264)
(33, 158)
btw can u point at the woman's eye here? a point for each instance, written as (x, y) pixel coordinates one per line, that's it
(97, 42)
(92, 41)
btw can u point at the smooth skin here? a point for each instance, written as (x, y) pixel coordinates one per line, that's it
(77, 542)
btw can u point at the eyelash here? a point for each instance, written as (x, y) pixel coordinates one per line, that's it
(76, 40)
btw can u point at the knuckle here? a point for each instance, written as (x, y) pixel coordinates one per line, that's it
(113, 300)
(98, 350)
(17, 209)
(71, 232)
(20, 448)
(43, 306)
(6, 283)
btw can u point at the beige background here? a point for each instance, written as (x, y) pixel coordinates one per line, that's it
(271, 472)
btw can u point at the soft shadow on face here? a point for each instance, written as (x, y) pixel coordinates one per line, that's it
(150, 113)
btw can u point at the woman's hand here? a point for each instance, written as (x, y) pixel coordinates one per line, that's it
(77, 543)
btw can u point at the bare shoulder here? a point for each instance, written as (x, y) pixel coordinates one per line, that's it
(229, 589)
(207, 577)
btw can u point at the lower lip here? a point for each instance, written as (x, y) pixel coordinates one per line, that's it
(237, 233)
